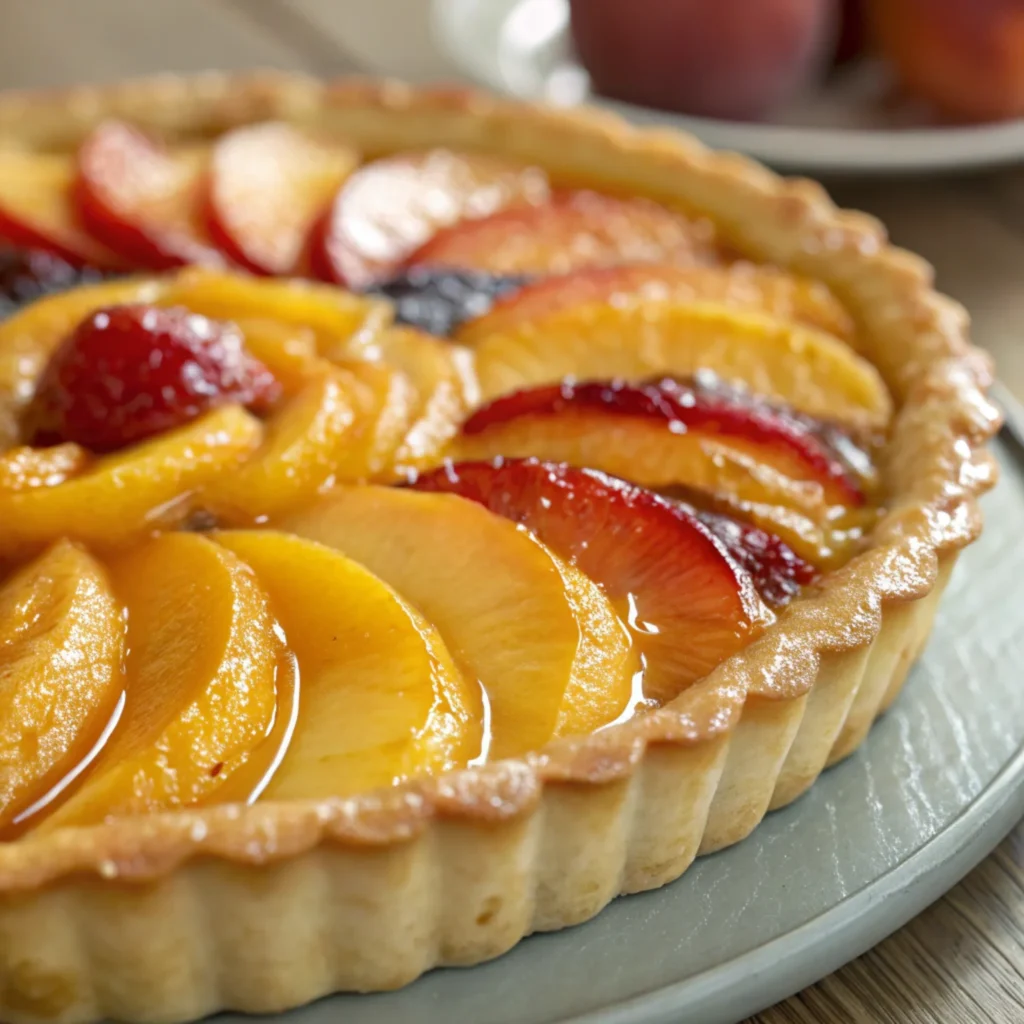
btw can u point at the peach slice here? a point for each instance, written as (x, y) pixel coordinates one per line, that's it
(288, 351)
(381, 700)
(441, 377)
(574, 230)
(304, 448)
(389, 207)
(61, 638)
(36, 211)
(25, 468)
(142, 200)
(811, 371)
(268, 183)
(124, 497)
(199, 682)
(689, 606)
(544, 642)
(333, 315)
(742, 286)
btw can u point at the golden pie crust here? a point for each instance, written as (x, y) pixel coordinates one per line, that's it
(262, 908)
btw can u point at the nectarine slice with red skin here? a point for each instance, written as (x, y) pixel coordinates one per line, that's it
(543, 640)
(199, 679)
(61, 640)
(575, 229)
(267, 186)
(688, 604)
(381, 699)
(741, 285)
(390, 207)
(813, 372)
(777, 570)
(37, 212)
(552, 418)
(141, 200)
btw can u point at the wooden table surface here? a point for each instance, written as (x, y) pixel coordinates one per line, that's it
(962, 960)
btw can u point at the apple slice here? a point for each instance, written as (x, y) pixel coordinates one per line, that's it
(389, 207)
(778, 293)
(806, 369)
(60, 640)
(573, 230)
(141, 200)
(25, 467)
(381, 700)
(305, 448)
(199, 682)
(688, 604)
(541, 638)
(36, 211)
(124, 497)
(268, 184)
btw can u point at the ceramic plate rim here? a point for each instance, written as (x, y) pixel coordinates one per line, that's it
(810, 150)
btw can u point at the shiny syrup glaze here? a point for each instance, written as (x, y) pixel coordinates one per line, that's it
(844, 459)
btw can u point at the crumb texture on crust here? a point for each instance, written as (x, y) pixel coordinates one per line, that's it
(456, 869)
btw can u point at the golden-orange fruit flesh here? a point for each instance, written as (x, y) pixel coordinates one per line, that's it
(529, 628)
(61, 641)
(125, 496)
(332, 314)
(749, 286)
(25, 467)
(812, 371)
(380, 699)
(200, 681)
(306, 442)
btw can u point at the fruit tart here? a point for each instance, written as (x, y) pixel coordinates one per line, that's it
(424, 518)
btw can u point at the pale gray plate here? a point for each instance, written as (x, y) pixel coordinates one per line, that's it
(937, 785)
(849, 126)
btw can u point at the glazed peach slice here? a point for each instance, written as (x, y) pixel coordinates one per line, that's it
(389, 207)
(305, 448)
(573, 230)
(549, 651)
(688, 604)
(200, 692)
(380, 697)
(24, 468)
(61, 638)
(267, 185)
(699, 433)
(813, 372)
(331, 314)
(142, 200)
(442, 380)
(36, 211)
(124, 497)
(778, 293)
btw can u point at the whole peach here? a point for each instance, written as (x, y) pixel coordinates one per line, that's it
(965, 56)
(736, 59)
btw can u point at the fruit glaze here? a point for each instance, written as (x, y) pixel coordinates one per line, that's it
(263, 540)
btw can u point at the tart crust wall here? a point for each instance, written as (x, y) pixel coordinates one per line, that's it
(143, 919)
